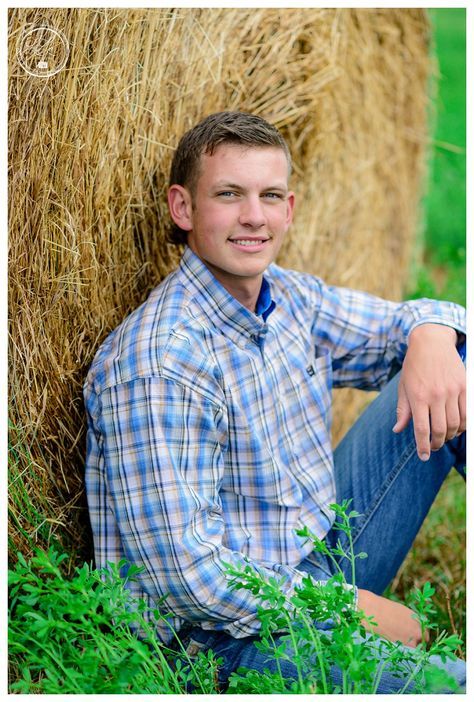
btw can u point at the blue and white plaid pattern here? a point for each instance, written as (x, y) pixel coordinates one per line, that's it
(209, 430)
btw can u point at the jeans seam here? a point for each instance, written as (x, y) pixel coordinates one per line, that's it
(406, 456)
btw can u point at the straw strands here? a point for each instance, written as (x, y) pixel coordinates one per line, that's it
(89, 153)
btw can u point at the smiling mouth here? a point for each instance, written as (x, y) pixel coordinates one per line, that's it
(248, 242)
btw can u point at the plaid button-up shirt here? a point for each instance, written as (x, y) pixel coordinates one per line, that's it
(209, 430)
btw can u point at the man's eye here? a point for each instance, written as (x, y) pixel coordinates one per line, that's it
(274, 196)
(226, 193)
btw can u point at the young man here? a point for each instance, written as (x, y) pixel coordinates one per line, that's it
(209, 410)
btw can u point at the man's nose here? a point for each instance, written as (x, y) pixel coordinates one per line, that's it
(252, 213)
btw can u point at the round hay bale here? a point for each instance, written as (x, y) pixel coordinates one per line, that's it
(89, 152)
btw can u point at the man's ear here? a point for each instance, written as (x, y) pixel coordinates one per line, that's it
(180, 206)
(290, 205)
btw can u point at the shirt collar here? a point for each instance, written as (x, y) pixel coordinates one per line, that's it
(265, 305)
(220, 306)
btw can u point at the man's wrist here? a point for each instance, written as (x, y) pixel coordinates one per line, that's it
(430, 330)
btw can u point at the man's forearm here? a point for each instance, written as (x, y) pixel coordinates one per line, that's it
(391, 620)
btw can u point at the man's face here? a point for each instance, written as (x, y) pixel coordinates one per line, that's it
(241, 211)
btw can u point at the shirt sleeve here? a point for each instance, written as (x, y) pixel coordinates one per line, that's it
(368, 336)
(163, 455)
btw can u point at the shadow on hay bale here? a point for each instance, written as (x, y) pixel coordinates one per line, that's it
(89, 153)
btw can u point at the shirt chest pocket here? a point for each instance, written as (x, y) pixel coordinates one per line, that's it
(311, 387)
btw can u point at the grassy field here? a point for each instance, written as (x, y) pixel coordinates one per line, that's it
(438, 554)
(441, 270)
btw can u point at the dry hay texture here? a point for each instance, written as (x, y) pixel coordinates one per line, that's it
(89, 153)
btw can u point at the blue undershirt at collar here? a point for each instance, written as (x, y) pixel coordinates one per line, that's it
(265, 305)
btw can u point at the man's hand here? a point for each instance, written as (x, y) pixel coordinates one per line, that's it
(432, 388)
(393, 620)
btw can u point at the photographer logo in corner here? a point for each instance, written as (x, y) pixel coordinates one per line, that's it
(42, 51)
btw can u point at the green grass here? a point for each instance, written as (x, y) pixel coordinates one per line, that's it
(442, 270)
(26, 481)
(438, 556)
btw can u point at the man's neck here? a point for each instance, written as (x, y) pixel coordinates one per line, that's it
(247, 298)
(245, 290)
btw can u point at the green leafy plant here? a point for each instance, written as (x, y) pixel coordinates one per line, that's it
(79, 635)
(319, 630)
(76, 636)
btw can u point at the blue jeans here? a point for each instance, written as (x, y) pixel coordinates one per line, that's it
(393, 490)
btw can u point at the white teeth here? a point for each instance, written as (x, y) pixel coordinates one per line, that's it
(247, 242)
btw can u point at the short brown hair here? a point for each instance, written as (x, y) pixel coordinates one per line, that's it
(218, 128)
